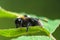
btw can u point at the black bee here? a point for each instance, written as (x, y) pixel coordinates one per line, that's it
(26, 21)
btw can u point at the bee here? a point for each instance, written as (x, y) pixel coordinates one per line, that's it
(26, 21)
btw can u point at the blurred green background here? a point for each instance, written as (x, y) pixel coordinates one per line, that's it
(47, 8)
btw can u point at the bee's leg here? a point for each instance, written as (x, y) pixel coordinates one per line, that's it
(17, 25)
(21, 23)
(27, 29)
(28, 24)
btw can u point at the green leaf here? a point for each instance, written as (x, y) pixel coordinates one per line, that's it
(51, 25)
(6, 14)
(22, 31)
(33, 38)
